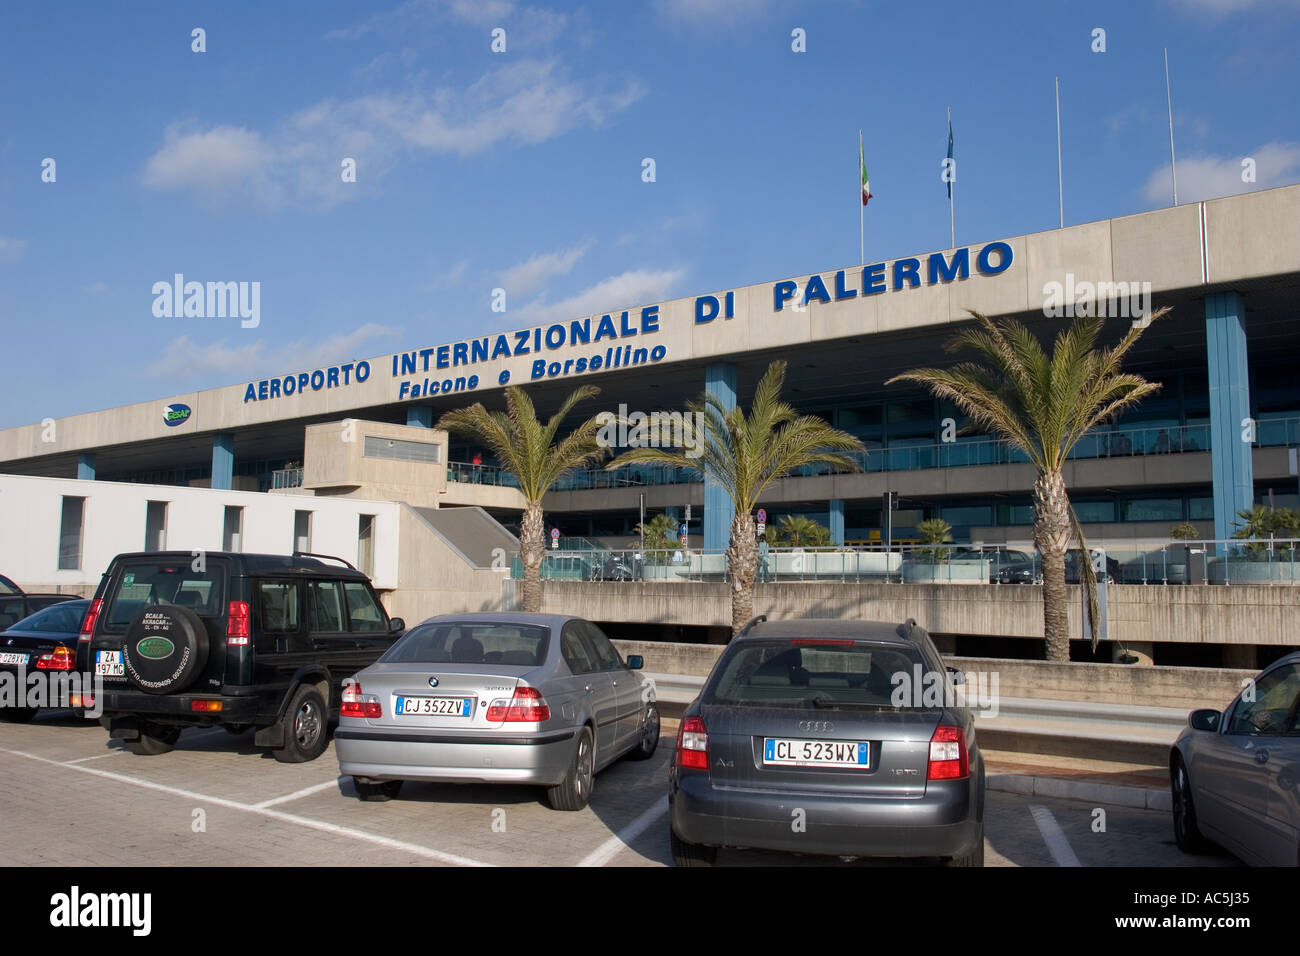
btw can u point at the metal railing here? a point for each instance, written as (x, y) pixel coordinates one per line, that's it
(287, 478)
(902, 455)
(1153, 562)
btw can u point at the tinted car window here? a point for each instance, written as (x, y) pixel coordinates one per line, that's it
(7, 586)
(608, 658)
(516, 645)
(11, 611)
(60, 618)
(278, 603)
(574, 650)
(778, 673)
(147, 585)
(1270, 711)
(324, 607)
(363, 613)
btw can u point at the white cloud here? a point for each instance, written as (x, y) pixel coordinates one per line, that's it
(626, 291)
(1219, 8)
(713, 10)
(11, 249)
(1209, 177)
(524, 102)
(532, 25)
(537, 271)
(185, 358)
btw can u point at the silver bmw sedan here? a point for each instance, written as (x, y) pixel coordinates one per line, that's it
(540, 699)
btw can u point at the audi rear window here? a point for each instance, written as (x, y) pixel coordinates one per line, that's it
(148, 585)
(813, 675)
(514, 645)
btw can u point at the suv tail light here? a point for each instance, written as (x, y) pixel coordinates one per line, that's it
(693, 744)
(353, 703)
(237, 624)
(88, 622)
(949, 759)
(528, 704)
(60, 659)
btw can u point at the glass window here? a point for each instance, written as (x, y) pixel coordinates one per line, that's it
(767, 674)
(1269, 712)
(278, 606)
(1009, 514)
(302, 531)
(70, 528)
(967, 515)
(232, 529)
(147, 584)
(64, 618)
(1200, 508)
(1153, 509)
(155, 526)
(366, 545)
(363, 613)
(324, 608)
(511, 645)
(574, 650)
(607, 654)
(1092, 512)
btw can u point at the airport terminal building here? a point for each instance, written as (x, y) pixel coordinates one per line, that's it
(1217, 438)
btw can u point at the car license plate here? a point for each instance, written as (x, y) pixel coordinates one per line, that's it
(782, 752)
(13, 658)
(433, 706)
(109, 664)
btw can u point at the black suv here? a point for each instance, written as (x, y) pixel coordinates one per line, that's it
(198, 639)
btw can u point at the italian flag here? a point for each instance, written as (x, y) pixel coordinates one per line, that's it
(866, 183)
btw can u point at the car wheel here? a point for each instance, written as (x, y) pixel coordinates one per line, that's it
(305, 728)
(17, 715)
(573, 792)
(377, 792)
(973, 855)
(645, 748)
(153, 740)
(690, 854)
(1186, 833)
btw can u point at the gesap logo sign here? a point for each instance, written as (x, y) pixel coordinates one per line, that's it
(176, 414)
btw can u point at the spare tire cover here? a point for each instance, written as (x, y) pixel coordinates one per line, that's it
(166, 648)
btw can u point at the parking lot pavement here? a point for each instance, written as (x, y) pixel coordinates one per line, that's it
(217, 801)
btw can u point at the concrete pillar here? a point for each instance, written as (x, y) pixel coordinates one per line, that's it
(837, 521)
(1230, 461)
(223, 460)
(421, 416)
(720, 382)
(1144, 651)
(86, 466)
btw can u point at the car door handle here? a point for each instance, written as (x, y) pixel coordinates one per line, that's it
(1261, 756)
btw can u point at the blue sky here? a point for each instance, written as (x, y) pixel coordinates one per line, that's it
(523, 169)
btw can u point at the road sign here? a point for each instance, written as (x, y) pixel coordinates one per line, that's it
(761, 529)
(682, 531)
(555, 534)
(683, 541)
(762, 516)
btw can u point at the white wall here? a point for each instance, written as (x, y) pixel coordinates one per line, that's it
(114, 518)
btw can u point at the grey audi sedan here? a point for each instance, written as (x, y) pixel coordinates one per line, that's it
(538, 699)
(1235, 774)
(842, 738)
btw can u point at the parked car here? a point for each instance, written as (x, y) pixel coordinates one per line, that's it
(44, 641)
(1072, 571)
(16, 604)
(539, 699)
(802, 715)
(1235, 774)
(1015, 567)
(242, 641)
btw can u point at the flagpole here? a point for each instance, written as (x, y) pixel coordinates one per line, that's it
(952, 194)
(862, 248)
(1173, 166)
(1060, 185)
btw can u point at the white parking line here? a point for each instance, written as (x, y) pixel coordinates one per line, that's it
(412, 848)
(1054, 837)
(111, 753)
(305, 792)
(611, 847)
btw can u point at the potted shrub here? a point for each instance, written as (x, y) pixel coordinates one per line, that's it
(1176, 571)
(932, 561)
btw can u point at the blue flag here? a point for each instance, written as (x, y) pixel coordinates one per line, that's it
(951, 170)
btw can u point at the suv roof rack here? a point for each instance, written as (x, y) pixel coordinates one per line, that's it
(752, 622)
(327, 557)
(905, 629)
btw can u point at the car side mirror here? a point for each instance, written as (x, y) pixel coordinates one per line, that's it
(635, 662)
(395, 625)
(956, 674)
(1204, 720)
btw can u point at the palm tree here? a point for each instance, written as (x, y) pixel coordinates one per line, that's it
(525, 446)
(934, 531)
(797, 531)
(744, 454)
(1042, 406)
(658, 533)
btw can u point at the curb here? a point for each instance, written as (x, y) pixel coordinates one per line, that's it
(1140, 798)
